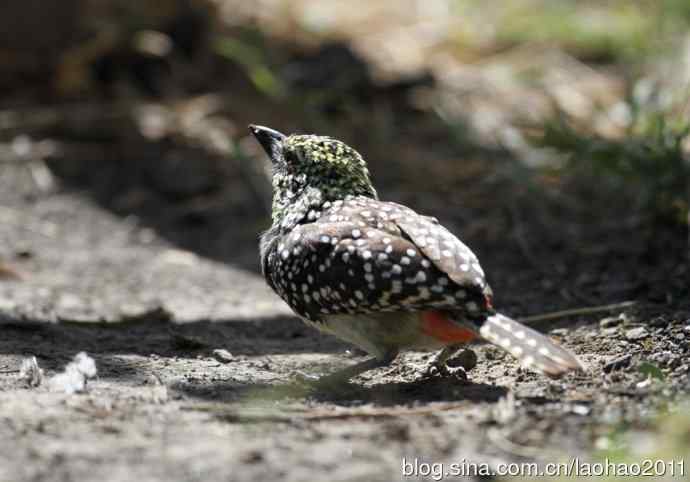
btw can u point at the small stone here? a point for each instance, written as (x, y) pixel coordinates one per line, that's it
(617, 363)
(658, 321)
(610, 322)
(580, 410)
(466, 359)
(637, 333)
(223, 356)
(30, 372)
(609, 331)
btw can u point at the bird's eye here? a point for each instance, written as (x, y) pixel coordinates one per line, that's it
(290, 157)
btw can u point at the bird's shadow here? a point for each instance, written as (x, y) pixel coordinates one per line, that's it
(382, 394)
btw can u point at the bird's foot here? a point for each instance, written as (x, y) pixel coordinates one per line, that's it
(444, 371)
(451, 364)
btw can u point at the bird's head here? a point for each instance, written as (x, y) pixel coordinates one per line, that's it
(318, 167)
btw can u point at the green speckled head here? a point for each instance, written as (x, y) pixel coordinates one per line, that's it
(309, 170)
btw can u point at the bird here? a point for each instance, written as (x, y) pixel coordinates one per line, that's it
(375, 273)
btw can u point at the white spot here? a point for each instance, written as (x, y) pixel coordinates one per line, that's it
(396, 269)
(325, 239)
(322, 268)
(544, 351)
(426, 263)
(346, 257)
(421, 276)
(382, 256)
(359, 294)
(447, 253)
(310, 279)
(367, 267)
(462, 294)
(472, 306)
(285, 254)
(369, 277)
(528, 360)
(371, 234)
(405, 260)
(411, 253)
(520, 335)
(465, 267)
(386, 240)
(389, 249)
(518, 351)
(356, 233)
(396, 286)
(532, 342)
(505, 342)
(365, 214)
(366, 254)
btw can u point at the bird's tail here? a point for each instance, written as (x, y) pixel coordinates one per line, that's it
(531, 348)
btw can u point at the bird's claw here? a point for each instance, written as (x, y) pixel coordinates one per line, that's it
(444, 371)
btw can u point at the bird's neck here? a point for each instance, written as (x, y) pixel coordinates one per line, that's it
(290, 207)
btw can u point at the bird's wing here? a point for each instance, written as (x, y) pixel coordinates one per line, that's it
(446, 251)
(353, 260)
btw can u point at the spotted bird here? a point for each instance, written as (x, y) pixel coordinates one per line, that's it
(375, 273)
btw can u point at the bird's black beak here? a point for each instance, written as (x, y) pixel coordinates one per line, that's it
(270, 140)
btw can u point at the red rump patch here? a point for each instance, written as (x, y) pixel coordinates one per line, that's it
(437, 325)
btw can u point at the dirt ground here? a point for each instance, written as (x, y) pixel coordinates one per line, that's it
(83, 270)
(125, 236)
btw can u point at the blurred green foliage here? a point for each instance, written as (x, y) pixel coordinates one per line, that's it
(650, 159)
(602, 32)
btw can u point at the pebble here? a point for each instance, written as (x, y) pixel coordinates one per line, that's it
(611, 321)
(658, 321)
(637, 333)
(580, 410)
(617, 363)
(466, 359)
(223, 356)
(609, 331)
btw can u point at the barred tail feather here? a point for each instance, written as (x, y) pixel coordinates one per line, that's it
(531, 348)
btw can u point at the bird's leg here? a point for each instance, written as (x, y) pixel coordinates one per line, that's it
(342, 376)
(439, 365)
